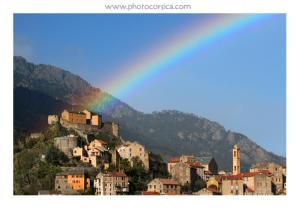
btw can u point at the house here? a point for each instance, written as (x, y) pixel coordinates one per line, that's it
(232, 185)
(115, 157)
(259, 182)
(214, 183)
(150, 193)
(278, 173)
(73, 117)
(183, 173)
(94, 153)
(72, 182)
(53, 119)
(112, 183)
(207, 191)
(209, 163)
(92, 118)
(37, 135)
(97, 143)
(66, 144)
(134, 149)
(172, 162)
(164, 186)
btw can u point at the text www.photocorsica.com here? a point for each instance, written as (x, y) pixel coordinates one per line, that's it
(134, 6)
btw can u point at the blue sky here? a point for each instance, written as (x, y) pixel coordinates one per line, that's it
(238, 82)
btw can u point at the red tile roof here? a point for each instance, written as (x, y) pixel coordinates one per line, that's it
(168, 181)
(250, 174)
(246, 174)
(118, 174)
(174, 160)
(232, 177)
(150, 193)
(196, 165)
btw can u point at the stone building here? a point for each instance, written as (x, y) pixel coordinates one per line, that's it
(164, 186)
(183, 173)
(95, 153)
(172, 162)
(115, 157)
(53, 119)
(259, 182)
(209, 163)
(277, 171)
(112, 183)
(207, 191)
(214, 183)
(134, 149)
(232, 185)
(73, 117)
(72, 182)
(186, 169)
(37, 135)
(66, 144)
(92, 118)
(111, 128)
(236, 160)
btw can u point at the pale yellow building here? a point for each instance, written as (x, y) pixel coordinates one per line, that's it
(73, 117)
(278, 173)
(236, 160)
(164, 186)
(134, 149)
(232, 185)
(112, 183)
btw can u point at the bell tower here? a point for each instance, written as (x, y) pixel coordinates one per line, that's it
(236, 162)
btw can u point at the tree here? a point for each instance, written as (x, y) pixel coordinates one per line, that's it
(138, 176)
(198, 185)
(55, 156)
(124, 165)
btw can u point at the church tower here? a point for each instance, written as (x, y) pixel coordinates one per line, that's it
(236, 161)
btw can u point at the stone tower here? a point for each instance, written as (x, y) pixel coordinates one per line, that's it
(236, 161)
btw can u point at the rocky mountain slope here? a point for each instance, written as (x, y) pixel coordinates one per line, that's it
(168, 132)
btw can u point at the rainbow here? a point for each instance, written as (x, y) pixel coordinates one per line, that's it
(200, 34)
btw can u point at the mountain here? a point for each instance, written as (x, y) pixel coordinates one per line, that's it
(167, 132)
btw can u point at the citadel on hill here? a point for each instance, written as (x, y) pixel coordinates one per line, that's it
(106, 164)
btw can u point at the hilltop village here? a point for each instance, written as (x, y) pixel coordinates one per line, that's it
(104, 163)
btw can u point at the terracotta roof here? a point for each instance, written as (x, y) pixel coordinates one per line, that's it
(168, 181)
(250, 174)
(174, 160)
(196, 165)
(150, 193)
(232, 177)
(118, 174)
(113, 174)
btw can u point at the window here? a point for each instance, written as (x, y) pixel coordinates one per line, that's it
(234, 153)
